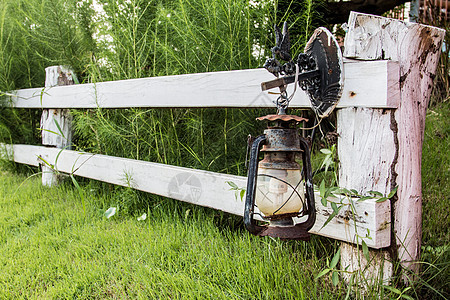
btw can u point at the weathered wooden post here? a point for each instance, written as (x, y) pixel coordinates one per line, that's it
(56, 124)
(381, 149)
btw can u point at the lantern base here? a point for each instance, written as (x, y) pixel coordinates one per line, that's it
(286, 222)
(292, 232)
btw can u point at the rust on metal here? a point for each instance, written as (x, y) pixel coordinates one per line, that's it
(282, 139)
(273, 84)
(272, 162)
(276, 217)
(284, 118)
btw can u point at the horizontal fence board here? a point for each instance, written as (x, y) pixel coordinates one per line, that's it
(367, 84)
(203, 188)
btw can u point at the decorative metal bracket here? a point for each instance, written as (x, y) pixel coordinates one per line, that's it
(320, 70)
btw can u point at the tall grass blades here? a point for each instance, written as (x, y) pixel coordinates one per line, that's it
(141, 38)
(33, 35)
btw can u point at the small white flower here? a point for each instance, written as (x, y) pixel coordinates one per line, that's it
(142, 218)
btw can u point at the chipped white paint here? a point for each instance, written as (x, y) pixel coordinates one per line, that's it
(367, 84)
(365, 149)
(56, 124)
(416, 47)
(366, 153)
(52, 135)
(379, 264)
(201, 188)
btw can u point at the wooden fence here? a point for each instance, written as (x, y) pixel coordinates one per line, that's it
(380, 126)
(433, 10)
(427, 11)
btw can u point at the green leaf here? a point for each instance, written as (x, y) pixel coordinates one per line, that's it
(335, 259)
(59, 128)
(407, 297)
(382, 199)
(328, 220)
(335, 278)
(376, 193)
(327, 193)
(47, 163)
(392, 289)
(233, 185)
(75, 183)
(354, 192)
(41, 95)
(327, 162)
(322, 189)
(75, 79)
(330, 191)
(365, 250)
(323, 272)
(345, 191)
(48, 130)
(364, 198)
(242, 194)
(392, 193)
(334, 207)
(325, 151)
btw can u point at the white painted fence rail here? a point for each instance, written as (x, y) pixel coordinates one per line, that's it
(367, 84)
(202, 188)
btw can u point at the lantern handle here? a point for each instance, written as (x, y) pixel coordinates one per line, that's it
(307, 169)
(249, 222)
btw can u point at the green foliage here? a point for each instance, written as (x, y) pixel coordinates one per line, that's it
(131, 39)
(33, 35)
(166, 39)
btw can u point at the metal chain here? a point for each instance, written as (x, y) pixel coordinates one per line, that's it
(283, 100)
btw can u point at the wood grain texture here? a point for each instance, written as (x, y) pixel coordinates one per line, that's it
(416, 47)
(367, 84)
(198, 187)
(366, 153)
(365, 149)
(59, 135)
(56, 124)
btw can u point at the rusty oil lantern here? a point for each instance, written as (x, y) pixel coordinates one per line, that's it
(280, 185)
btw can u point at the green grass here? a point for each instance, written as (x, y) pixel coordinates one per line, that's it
(436, 200)
(436, 175)
(50, 249)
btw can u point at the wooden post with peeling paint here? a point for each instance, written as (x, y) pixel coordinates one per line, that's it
(380, 149)
(56, 124)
